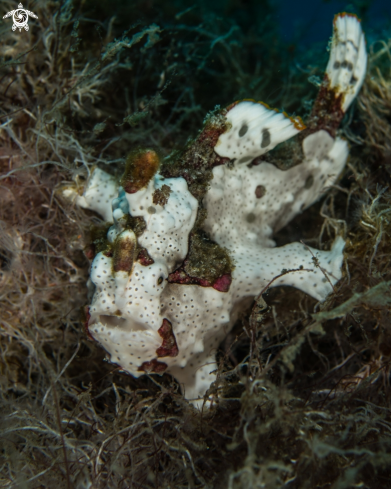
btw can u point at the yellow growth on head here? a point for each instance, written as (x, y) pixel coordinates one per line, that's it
(124, 251)
(141, 166)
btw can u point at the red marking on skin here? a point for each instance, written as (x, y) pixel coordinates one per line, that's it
(153, 367)
(89, 252)
(211, 134)
(124, 265)
(169, 346)
(223, 283)
(144, 258)
(257, 161)
(131, 189)
(327, 111)
(221, 161)
(181, 277)
(203, 282)
(231, 106)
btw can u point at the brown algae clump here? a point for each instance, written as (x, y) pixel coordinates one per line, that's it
(207, 260)
(124, 251)
(161, 195)
(141, 166)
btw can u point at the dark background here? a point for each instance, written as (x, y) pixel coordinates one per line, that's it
(308, 21)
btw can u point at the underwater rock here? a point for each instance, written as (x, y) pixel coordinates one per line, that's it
(168, 292)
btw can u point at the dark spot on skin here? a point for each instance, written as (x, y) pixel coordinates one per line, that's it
(260, 191)
(151, 210)
(243, 130)
(353, 81)
(250, 217)
(337, 64)
(161, 195)
(245, 159)
(159, 280)
(309, 182)
(265, 138)
(347, 64)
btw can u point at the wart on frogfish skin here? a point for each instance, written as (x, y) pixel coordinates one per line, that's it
(179, 271)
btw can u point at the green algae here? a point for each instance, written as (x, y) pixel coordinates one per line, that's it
(206, 259)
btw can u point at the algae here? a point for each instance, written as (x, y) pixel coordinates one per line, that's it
(206, 259)
(140, 167)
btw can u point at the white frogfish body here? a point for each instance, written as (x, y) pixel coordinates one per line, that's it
(149, 311)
